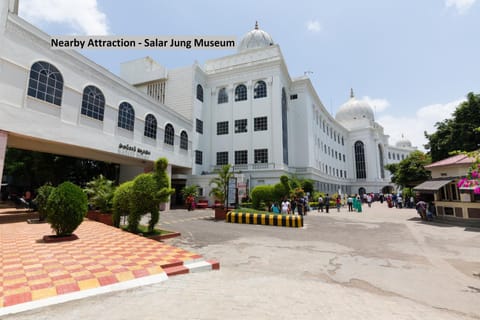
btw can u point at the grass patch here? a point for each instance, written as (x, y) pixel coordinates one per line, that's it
(143, 230)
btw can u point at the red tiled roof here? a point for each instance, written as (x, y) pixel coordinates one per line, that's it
(455, 160)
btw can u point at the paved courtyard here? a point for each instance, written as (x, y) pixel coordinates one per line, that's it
(379, 264)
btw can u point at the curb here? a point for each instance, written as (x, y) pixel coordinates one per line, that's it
(192, 266)
(265, 219)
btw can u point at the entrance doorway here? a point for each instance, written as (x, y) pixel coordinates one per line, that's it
(176, 200)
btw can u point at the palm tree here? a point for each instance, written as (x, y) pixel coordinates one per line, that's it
(220, 183)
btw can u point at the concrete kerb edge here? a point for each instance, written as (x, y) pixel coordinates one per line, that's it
(134, 283)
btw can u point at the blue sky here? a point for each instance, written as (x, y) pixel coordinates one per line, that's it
(414, 61)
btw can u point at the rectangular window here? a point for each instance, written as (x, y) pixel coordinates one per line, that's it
(343, 158)
(222, 128)
(293, 96)
(199, 126)
(261, 156)
(198, 157)
(222, 158)
(260, 124)
(241, 157)
(241, 126)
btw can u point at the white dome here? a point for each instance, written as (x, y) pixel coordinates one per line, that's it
(255, 39)
(404, 143)
(353, 110)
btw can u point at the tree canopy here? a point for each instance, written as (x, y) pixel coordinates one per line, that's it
(410, 171)
(460, 133)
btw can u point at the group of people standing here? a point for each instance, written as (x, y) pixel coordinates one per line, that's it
(296, 205)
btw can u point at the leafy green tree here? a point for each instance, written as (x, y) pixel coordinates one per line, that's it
(410, 171)
(460, 133)
(220, 183)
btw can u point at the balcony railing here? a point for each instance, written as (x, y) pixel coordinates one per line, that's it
(249, 167)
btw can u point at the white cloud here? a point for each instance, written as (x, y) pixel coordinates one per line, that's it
(82, 15)
(462, 6)
(314, 26)
(378, 105)
(413, 126)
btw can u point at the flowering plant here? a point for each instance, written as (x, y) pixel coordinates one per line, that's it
(472, 180)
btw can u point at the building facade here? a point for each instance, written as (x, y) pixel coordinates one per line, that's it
(244, 109)
(452, 203)
(247, 110)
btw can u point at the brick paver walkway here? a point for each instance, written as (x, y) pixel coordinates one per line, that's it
(31, 269)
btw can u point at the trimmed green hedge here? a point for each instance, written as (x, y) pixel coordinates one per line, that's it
(66, 208)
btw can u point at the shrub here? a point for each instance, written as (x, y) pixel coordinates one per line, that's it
(261, 193)
(100, 193)
(41, 200)
(144, 200)
(279, 192)
(66, 207)
(164, 190)
(121, 202)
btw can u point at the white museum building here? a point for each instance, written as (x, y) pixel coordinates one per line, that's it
(244, 109)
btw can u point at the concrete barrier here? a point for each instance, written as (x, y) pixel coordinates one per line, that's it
(265, 219)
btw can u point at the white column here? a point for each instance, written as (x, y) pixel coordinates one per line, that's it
(169, 172)
(3, 150)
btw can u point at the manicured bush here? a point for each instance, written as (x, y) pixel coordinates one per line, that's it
(163, 181)
(66, 208)
(143, 195)
(121, 202)
(280, 192)
(41, 200)
(144, 200)
(261, 193)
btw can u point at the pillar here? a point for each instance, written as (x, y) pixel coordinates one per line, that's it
(3, 151)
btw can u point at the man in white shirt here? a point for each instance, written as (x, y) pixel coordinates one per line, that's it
(285, 206)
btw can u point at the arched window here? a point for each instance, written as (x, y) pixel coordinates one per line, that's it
(241, 93)
(382, 169)
(126, 116)
(46, 83)
(284, 127)
(260, 90)
(360, 160)
(199, 92)
(389, 155)
(222, 96)
(93, 103)
(169, 134)
(184, 140)
(343, 142)
(150, 127)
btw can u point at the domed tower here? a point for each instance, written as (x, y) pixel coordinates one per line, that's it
(404, 143)
(255, 39)
(355, 113)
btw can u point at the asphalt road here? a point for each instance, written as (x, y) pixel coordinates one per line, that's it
(379, 264)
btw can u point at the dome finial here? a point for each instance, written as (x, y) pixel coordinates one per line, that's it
(351, 93)
(256, 25)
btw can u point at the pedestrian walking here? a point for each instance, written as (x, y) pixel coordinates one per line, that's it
(320, 204)
(327, 203)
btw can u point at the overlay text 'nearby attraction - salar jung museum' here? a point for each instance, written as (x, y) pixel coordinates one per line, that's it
(244, 109)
